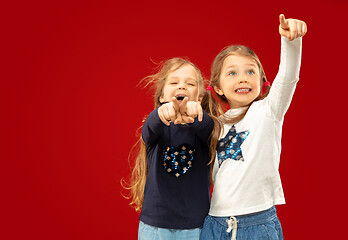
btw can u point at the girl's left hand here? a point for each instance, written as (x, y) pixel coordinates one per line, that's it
(291, 28)
(190, 110)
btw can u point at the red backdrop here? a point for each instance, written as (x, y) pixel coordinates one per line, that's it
(70, 107)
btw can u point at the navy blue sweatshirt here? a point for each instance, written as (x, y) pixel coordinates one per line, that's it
(177, 190)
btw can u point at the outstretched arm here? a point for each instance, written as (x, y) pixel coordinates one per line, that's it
(284, 84)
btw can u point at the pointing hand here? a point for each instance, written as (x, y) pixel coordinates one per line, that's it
(291, 28)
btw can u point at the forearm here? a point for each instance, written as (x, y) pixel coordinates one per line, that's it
(290, 61)
(284, 85)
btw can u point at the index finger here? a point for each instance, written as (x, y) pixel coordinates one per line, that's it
(175, 104)
(283, 22)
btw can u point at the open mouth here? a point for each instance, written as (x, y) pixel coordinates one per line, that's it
(243, 90)
(180, 97)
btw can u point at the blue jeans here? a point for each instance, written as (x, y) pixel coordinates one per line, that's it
(256, 226)
(147, 232)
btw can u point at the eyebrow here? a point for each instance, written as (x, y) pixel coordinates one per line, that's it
(249, 65)
(189, 78)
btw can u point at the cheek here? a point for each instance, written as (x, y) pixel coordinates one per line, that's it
(230, 86)
(165, 92)
(225, 84)
(195, 93)
(259, 88)
(258, 83)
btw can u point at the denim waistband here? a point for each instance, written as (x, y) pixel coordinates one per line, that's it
(250, 219)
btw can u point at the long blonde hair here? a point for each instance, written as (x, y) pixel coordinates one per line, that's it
(140, 168)
(215, 104)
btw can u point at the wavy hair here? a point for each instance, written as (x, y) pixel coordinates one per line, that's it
(139, 173)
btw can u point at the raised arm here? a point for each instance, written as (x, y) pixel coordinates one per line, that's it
(284, 84)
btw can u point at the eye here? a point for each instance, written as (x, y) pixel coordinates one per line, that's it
(191, 83)
(251, 72)
(173, 83)
(232, 73)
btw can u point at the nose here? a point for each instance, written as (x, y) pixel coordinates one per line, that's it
(181, 86)
(243, 80)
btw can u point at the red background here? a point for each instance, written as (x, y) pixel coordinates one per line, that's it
(70, 107)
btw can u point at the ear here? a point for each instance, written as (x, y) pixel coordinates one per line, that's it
(161, 99)
(218, 90)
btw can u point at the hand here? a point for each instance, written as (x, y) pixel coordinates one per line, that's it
(189, 110)
(168, 112)
(291, 28)
(182, 113)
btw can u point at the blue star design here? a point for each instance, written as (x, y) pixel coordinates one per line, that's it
(229, 146)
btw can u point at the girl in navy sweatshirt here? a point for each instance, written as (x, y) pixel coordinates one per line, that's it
(171, 177)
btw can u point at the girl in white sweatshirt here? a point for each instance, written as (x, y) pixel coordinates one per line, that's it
(247, 184)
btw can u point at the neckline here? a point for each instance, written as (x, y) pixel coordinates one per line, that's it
(232, 112)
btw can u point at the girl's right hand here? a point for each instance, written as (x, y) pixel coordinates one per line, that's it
(291, 28)
(168, 112)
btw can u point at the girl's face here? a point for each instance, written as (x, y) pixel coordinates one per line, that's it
(239, 81)
(181, 83)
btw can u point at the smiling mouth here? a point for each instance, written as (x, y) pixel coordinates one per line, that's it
(243, 90)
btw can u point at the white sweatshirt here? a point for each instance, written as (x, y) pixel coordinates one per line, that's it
(249, 180)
